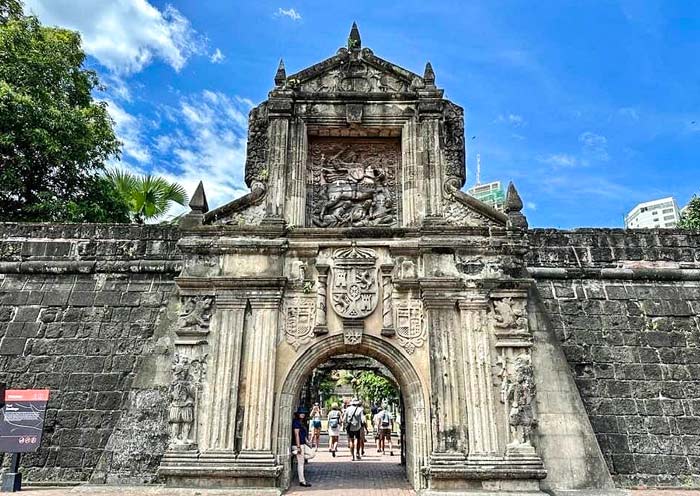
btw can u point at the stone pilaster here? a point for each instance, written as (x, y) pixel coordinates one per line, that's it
(261, 353)
(222, 387)
(431, 156)
(439, 299)
(295, 206)
(411, 175)
(280, 110)
(481, 405)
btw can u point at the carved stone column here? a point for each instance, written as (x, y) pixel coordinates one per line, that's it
(280, 109)
(387, 301)
(222, 387)
(259, 366)
(411, 175)
(321, 300)
(481, 405)
(449, 415)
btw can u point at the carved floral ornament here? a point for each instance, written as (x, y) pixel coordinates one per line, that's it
(509, 315)
(518, 394)
(195, 314)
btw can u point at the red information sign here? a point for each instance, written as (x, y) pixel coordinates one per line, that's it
(22, 421)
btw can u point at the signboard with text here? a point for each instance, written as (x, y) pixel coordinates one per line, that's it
(22, 420)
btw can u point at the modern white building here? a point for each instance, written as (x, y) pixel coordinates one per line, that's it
(490, 193)
(653, 214)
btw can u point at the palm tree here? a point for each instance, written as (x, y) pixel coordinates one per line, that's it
(148, 197)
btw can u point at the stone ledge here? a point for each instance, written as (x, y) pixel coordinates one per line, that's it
(644, 273)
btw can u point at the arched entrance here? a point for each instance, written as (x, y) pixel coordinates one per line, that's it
(417, 435)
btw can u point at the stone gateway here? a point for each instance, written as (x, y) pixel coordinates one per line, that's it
(529, 361)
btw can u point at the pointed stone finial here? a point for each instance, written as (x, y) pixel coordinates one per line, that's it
(429, 75)
(354, 41)
(513, 208)
(198, 203)
(281, 74)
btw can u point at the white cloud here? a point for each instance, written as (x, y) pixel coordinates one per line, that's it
(125, 35)
(291, 13)
(209, 145)
(129, 130)
(514, 120)
(531, 205)
(630, 112)
(595, 145)
(559, 160)
(217, 57)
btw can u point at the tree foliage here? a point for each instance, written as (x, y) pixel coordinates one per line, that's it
(54, 137)
(148, 197)
(691, 216)
(375, 388)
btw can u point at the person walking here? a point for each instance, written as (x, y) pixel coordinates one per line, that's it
(334, 420)
(375, 426)
(316, 426)
(354, 421)
(299, 434)
(386, 425)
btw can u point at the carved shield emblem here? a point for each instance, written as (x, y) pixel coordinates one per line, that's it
(354, 282)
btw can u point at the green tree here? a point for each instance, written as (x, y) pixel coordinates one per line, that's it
(148, 197)
(691, 217)
(375, 388)
(54, 137)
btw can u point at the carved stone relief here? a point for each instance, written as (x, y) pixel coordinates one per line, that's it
(518, 393)
(188, 374)
(353, 182)
(195, 314)
(354, 291)
(457, 214)
(355, 76)
(409, 329)
(510, 315)
(256, 155)
(299, 321)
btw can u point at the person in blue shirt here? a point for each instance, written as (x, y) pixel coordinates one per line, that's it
(299, 433)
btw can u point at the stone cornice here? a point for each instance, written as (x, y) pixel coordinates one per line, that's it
(204, 284)
(645, 273)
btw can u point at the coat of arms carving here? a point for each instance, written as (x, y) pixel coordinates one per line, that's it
(354, 292)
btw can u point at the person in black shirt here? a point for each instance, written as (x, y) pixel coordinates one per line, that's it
(299, 433)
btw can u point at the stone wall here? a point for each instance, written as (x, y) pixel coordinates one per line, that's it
(626, 307)
(81, 307)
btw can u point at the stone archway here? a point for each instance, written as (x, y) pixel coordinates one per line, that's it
(418, 442)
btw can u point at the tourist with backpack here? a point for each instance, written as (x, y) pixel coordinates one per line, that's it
(386, 424)
(334, 420)
(354, 425)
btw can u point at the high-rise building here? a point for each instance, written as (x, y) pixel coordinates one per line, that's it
(663, 212)
(490, 193)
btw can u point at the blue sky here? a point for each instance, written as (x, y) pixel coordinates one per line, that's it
(589, 107)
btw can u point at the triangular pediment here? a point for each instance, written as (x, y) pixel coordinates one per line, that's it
(357, 71)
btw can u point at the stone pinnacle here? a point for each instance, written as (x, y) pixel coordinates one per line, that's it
(354, 41)
(429, 75)
(198, 203)
(281, 74)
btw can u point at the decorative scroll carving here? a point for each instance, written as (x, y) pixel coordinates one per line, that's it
(458, 214)
(195, 315)
(256, 155)
(355, 76)
(518, 393)
(353, 183)
(453, 148)
(510, 315)
(387, 294)
(354, 282)
(299, 324)
(321, 300)
(409, 329)
(184, 390)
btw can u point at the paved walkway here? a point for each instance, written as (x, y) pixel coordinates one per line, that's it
(375, 475)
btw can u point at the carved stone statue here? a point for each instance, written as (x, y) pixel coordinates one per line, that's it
(195, 313)
(183, 391)
(355, 186)
(518, 390)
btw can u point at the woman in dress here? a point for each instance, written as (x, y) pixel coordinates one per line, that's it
(334, 420)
